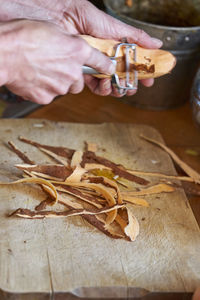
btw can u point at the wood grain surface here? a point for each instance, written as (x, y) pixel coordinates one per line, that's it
(68, 257)
(176, 126)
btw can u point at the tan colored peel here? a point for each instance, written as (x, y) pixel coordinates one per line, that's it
(65, 155)
(187, 169)
(121, 221)
(34, 180)
(91, 147)
(46, 188)
(66, 200)
(59, 151)
(136, 201)
(109, 183)
(58, 158)
(48, 170)
(132, 229)
(76, 175)
(160, 175)
(29, 214)
(91, 166)
(99, 189)
(76, 159)
(80, 196)
(20, 154)
(98, 198)
(45, 176)
(155, 189)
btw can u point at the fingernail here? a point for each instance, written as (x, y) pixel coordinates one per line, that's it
(111, 69)
(106, 84)
(158, 43)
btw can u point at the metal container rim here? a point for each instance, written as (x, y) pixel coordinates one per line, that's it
(162, 27)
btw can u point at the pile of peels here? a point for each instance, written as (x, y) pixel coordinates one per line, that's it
(93, 187)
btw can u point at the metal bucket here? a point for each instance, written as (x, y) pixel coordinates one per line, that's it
(177, 24)
(195, 99)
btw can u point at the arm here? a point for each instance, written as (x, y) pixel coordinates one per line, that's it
(81, 17)
(33, 9)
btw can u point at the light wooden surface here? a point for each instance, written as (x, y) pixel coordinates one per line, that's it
(68, 256)
(176, 126)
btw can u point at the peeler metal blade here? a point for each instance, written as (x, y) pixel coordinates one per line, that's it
(129, 83)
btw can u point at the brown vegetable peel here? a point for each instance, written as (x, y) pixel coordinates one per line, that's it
(132, 229)
(155, 189)
(89, 185)
(35, 180)
(29, 214)
(187, 169)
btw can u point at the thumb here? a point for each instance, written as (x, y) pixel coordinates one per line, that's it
(100, 62)
(99, 24)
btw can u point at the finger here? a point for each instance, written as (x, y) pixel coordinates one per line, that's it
(91, 82)
(147, 82)
(117, 92)
(131, 92)
(196, 295)
(111, 28)
(40, 96)
(100, 87)
(104, 87)
(142, 39)
(100, 62)
(77, 87)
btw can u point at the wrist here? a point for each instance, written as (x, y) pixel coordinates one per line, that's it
(8, 52)
(41, 10)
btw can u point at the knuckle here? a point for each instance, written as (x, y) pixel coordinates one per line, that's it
(142, 35)
(86, 50)
(104, 93)
(43, 98)
(141, 32)
(63, 90)
(77, 88)
(48, 99)
(76, 75)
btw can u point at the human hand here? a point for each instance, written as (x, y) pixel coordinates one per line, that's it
(41, 61)
(81, 17)
(196, 295)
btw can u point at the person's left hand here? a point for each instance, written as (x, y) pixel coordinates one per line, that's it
(81, 17)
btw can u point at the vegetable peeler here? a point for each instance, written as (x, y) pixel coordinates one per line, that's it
(132, 62)
(129, 84)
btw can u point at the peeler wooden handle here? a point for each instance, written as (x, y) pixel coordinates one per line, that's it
(150, 63)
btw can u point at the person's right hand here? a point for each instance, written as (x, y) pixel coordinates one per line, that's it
(41, 61)
(81, 17)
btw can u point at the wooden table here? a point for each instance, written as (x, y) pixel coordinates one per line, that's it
(176, 126)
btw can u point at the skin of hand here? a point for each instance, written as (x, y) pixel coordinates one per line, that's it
(40, 61)
(196, 295)
(81, 17)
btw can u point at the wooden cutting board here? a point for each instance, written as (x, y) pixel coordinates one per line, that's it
(68, 258)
